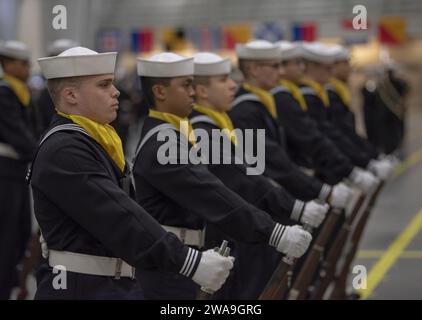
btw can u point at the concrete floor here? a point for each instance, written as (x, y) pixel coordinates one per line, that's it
(398, 204)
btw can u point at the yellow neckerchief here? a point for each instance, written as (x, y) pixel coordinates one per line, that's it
(342, 90)
(19, 88)
(177, 122)
(266, 98)
(222, 120)
(104, 134)
(296, 93)
(319, 89)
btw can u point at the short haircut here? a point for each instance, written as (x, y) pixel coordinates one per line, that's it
(244, 66)
(55, 86)
(4, 60)
(146, 84)
(201, 80)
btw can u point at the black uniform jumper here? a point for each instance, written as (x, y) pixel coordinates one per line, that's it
(307, 145)
(319, 112)
(249, 112)
(17, 146)
(81, 206)
(254, 263)
(186, 195)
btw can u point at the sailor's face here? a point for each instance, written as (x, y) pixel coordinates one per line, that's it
(179, 95)
(268, 73)
(341, 69)
(97, 96)
(221, 91)
(19, 69)
(293, 70)
(322, 72)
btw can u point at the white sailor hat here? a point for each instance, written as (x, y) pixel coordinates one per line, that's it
(78, 61)
(290, 50)
(15, 49)
(342, 54)
(60, 45)
(166, 65)
(210, 64)
(258, 50)
(319, 52)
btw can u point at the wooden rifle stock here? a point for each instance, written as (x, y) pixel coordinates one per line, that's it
(278, 284)
(339, 291)
(304, 278)
(327, 271)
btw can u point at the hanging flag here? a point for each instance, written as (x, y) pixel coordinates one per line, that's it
(108, 40)
(270, 31)
(205, 38)
(174, 39)
(237, 33)
(304, 31)
(392, 30)
(142, 40)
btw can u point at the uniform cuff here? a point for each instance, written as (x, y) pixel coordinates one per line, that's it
(324, 193)
(191, 263)
(297, 211)
(354, 174)
(276, 234)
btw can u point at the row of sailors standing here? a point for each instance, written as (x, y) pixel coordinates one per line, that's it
(101, 228)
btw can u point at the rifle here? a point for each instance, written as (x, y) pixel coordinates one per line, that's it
(305, 276)
(278, 284)
(205, 293)
(340, 279)
(327, 271)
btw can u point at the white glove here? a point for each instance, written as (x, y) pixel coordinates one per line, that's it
(294, 241)
(340, 195)
(314, 213)
(393, 159)
(213, 270)
(381, 168)
(363, 179)
(44, 248)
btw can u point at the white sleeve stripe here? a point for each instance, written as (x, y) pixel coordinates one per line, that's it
(276, 234)
(325, 191)
(279, 235)
(185, 265)
(272, 234)
(297, 209)
(192, 263)
(189, 262)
